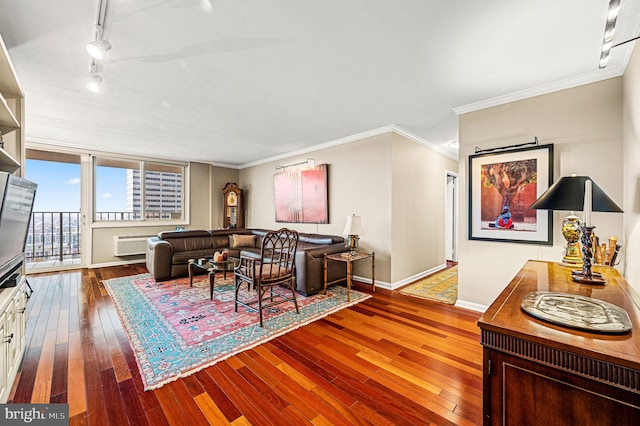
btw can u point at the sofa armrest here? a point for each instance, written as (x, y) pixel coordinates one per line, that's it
(310, 268)
(249, 254)
(320, 251)
(158, 258)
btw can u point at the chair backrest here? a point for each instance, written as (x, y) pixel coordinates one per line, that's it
(277, 253)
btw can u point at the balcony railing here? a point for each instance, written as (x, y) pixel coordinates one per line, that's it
(53, 235)
(106, 216)
(56, 235)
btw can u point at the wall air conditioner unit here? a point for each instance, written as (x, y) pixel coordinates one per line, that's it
(129, 245)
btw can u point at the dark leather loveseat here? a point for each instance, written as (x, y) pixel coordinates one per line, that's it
(168, 254)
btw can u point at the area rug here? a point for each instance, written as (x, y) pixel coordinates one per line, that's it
(176, 330)
(439, 287)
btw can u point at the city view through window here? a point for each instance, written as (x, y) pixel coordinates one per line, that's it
(54, 232)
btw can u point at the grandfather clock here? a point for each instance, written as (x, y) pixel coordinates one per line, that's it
(233, 209)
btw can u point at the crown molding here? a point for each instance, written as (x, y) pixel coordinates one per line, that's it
(391, 128)
(592, 77)
(224, 165)
(611, 71)
(330, 144)
(417, 139)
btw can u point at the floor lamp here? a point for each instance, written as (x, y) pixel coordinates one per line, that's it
(575, 193)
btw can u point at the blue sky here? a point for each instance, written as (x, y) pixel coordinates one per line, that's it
(59, 187)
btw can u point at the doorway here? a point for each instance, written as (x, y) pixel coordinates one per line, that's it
(55, 239)
(451, 216)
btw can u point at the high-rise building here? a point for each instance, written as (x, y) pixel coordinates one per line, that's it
(162, 194)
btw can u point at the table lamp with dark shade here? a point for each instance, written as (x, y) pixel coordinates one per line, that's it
(576, 193)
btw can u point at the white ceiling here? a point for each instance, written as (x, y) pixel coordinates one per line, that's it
(239, 81)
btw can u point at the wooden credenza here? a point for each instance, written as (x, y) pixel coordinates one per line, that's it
(12, 334)
(538, 373)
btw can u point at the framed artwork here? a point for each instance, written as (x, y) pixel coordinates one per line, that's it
(301, 195)
(502, 186)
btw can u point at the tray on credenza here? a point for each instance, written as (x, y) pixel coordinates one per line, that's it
(576, 311)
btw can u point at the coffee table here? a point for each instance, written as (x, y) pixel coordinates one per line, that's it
(211, 266)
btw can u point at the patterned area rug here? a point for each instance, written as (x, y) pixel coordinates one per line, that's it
(440, 287)
(175, 330)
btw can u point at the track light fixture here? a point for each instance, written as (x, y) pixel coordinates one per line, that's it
(93, 84)
(97, 48)
(609, 31)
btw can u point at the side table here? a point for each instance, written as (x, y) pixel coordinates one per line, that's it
(349, 259)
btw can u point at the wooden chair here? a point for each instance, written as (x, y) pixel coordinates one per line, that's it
(271, 273)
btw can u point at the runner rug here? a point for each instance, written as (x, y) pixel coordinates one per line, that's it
(439, 287)
(175, 330)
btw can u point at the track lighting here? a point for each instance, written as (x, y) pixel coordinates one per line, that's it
(614, 10)
(609, 31)
(98, 48)
(93, 84)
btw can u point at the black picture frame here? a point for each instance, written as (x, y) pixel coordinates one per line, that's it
(515, 177)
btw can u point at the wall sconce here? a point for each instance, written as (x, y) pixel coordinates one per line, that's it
(353, 230)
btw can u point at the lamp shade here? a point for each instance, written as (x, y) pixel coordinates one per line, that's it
(354, 226)
(567, 193)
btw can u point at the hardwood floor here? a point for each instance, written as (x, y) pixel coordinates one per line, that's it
(392, 359)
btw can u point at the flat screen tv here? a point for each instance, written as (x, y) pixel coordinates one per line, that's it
(17, 197)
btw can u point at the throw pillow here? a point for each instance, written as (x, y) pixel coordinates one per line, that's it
(244, 240)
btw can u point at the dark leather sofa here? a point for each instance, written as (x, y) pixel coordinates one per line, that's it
(168, 254)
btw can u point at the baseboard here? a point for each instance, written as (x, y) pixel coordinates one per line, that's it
(119, 263)
(380, 284)
(403, 282)
(416, 277)
(471, 306)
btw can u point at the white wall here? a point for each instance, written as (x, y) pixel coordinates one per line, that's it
(418, 208)
(631, 131)
(359, 180)
(395, 184)
(585, 126)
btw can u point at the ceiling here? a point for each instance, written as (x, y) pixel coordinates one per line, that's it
(237, 82)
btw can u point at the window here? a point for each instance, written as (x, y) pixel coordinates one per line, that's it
(121, 194)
